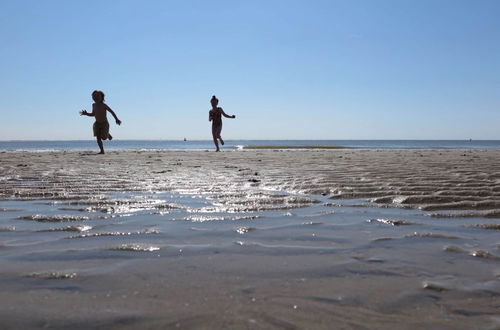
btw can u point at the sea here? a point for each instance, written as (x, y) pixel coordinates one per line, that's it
(240, 144)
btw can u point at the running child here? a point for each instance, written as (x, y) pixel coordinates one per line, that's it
(101, 124)
(215, 116)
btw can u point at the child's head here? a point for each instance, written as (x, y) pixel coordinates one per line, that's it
(98, 96)
(214, 101)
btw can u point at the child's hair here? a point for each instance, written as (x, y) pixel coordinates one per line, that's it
(96, 93)
(214, 100)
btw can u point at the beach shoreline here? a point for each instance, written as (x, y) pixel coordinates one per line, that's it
(382, 239)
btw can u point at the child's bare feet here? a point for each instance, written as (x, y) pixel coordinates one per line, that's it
(101, 153)
(221, 141)
(110, 137)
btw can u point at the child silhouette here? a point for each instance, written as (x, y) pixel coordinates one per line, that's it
(215, 116)
(101, 124)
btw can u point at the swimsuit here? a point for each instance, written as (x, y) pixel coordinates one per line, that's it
(216, 122)
(101, 129)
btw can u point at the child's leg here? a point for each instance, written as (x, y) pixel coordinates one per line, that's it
(215, 135)
(216, 143)
(110, 137)
(99, 143)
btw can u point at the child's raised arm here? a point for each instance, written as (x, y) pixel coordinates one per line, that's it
(226, 115)
(118, 121)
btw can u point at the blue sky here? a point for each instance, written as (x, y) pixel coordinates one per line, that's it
(311, 69)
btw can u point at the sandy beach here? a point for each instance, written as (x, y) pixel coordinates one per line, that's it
(267, 239)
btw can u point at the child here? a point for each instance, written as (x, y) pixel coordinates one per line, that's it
(215, 116)
(101, 125)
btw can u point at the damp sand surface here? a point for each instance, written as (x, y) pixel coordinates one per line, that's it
(293, 147)
(267, 239)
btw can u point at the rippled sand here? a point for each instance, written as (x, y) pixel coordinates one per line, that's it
(354, 239)
(435, 180)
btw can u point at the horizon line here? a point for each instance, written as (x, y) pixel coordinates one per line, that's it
(204, 140)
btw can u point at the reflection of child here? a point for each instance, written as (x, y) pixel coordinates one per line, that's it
(215, 116)
(101, 125)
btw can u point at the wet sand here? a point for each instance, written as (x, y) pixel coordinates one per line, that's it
(270, 239)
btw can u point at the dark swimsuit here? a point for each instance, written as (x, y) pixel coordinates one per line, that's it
(216, 121)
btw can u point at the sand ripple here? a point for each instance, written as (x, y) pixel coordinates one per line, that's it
(77, 228)
(432, 180)
(475, 253)
(54, 218)
(493, 226)
(135, 248)
(203, 218)
(52, 275)
(244, 230)
(432, 235)
(392, 222)
(484, 254)
(119, 205)
(117, 233)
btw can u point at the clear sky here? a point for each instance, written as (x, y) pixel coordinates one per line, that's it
(310, 69)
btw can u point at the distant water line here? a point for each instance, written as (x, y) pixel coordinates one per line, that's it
(238, 144)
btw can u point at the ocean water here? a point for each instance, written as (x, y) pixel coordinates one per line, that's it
(237, 144)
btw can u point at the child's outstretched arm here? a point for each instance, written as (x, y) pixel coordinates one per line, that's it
(226, 115)
(118, 121)
(85, 113)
